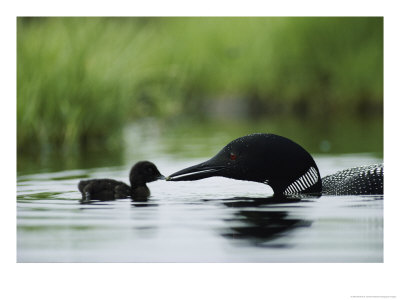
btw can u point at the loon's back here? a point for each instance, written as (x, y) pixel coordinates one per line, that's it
(364, 180)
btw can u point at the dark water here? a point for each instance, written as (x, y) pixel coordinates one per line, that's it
(212, 220)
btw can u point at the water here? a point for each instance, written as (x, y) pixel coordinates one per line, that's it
(211, 220)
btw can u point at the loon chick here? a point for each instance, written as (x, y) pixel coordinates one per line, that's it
(285, 166)
(110, 189)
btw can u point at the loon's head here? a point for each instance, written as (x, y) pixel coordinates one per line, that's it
(267, 158)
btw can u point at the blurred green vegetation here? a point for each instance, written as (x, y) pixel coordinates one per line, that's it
(150, 139)
(81, 80)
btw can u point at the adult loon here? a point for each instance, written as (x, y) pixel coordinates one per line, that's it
(285, 166)
(110, 189)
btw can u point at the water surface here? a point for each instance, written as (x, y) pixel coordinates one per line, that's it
(211, 220)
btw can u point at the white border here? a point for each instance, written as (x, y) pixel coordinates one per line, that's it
(199, 281)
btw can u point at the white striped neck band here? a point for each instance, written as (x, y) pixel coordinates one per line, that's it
(304, 182)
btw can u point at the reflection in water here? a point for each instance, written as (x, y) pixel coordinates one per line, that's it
(259, 201)
(95, 202)
(175, 225)
(256, 202)
(259, 223)
(39, 196)
(142, 202)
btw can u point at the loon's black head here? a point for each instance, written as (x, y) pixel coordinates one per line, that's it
(267, 158)
(142, 172)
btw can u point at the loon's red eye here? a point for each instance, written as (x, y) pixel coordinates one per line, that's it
(232, 156)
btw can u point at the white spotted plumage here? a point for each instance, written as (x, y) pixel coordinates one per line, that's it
(355, 181)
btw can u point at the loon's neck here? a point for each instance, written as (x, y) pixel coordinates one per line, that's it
(309, 183)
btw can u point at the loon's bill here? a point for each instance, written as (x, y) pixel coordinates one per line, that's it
(196, 172)
(285, 166)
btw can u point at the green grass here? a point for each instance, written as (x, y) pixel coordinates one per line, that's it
(80, 80)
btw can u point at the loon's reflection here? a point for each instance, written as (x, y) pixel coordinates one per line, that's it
(258, 221)
(256, 202)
